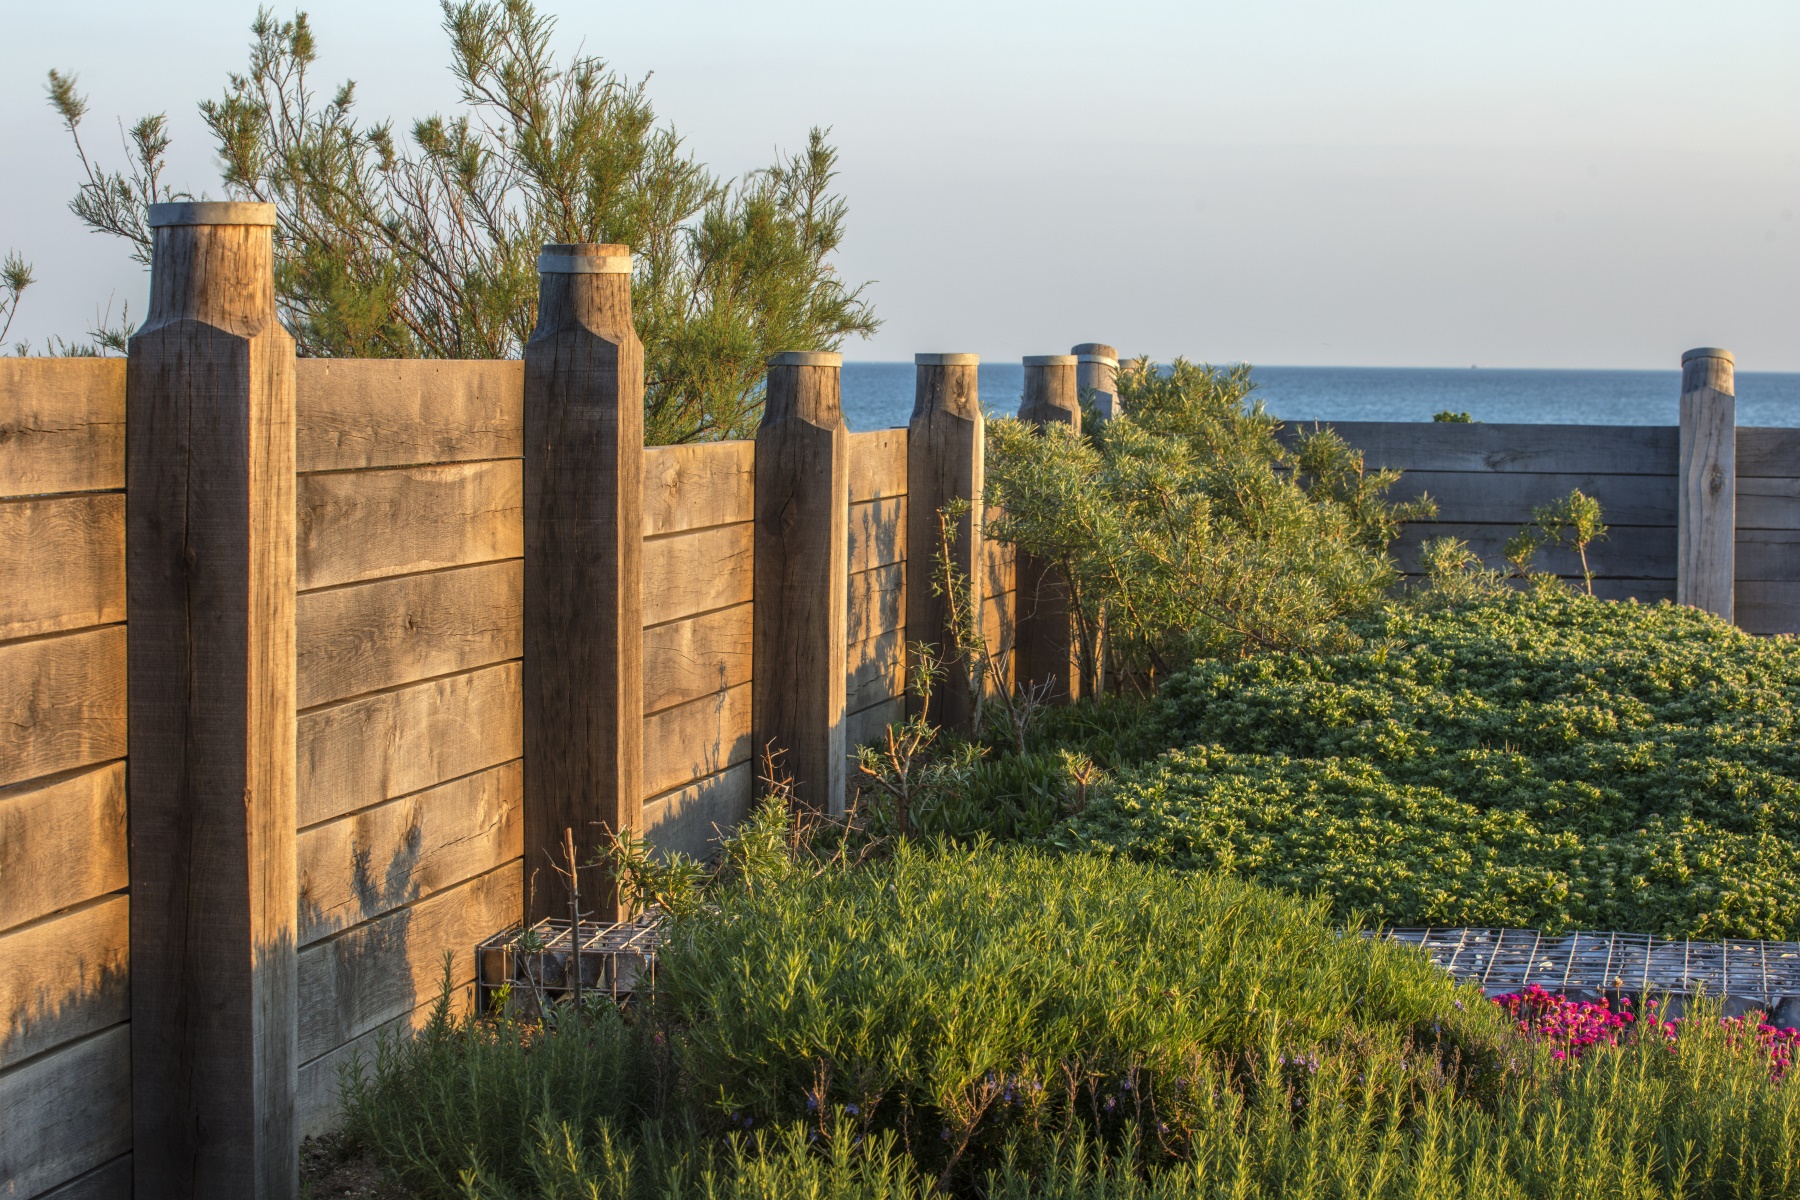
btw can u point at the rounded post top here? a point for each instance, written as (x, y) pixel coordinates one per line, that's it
(584, 258)
(947, 360)
(807, 358)
(1707, 352)
(1050, 360)
(211, 212)
(1096, 352)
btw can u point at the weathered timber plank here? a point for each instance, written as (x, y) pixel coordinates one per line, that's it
(1767, 452)
(877, 464)
(877, 534)
(1764, 502)
(62, 425)
(75, 827)
(357, 525)
(363, 866)
(64, 978)
(353, 413)
(1764, 606)
(1705, 575)
(696, 739)
(366, 976)
(1444, 446)
(109, 1181)
(877, 670)
(701, 656)
(692, 819)
(1489, 497)
(944, 464)
(65, 1113)
(62, 563)
(691, 487)
(62, 702)
(870, 725)
(697, 572)
(998, 566)
(999, 624)
(316, 1101)
(363, 752)
(1627, 551)
(368, 636)
(877, 602)
(1769, 555)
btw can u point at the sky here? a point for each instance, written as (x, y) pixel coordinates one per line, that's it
(1583, 183)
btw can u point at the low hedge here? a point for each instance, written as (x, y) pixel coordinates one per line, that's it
(1537, 759)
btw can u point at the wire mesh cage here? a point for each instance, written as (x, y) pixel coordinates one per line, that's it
(525, 970)
(1759, 973)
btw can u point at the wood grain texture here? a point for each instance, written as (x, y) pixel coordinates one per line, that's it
(365, 751)
(1047, 646)
(1499, 497)
(363, 866)
(1050, 394)
(64, 978)
(696, 739)
(1446, 446)
(210, 584)
(877, 534)
(701, 656)
(802, 599)
(877, 465)
(62, 702)
(385, 968)
(946, 441)
(353, 413)
(376, 635)
(65, 1113)
(62, 425)
(1768, 555)
(870, 724)
(877, 671)
(1705, 570)
(1764, 451)
(690, 573)
(75, 826)
(876, 604)
(1767, 607)
(109, 1181)
(1766, 502)
(317, 1103)
(584, 642)
(691, 820)
(62, 563)
(357, 525)
(691, 487)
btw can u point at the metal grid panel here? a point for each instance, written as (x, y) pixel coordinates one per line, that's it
(614, 959)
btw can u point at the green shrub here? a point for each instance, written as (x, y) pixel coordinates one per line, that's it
(1539, 759)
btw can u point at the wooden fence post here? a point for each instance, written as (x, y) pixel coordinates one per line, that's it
(1097, 371)
(1048, 645)
(944, 445)
(209, 564)
(584, 631)
(1706, 559)
(802, 588)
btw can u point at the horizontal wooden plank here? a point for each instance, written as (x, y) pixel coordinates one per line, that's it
(62, 563)
(62, 703)
(877, 464)
(1768, 503)
(356, 525)
(76, 825)
(877, 534)
(1766, 451)
(870, 724)
(877, 670)
(368, 636)
(697, 739)
(701, 656)
(367, 976)
(1509, 497)
(1762, 606)
(1768, 555)
(65, 1113)
(108, 1181)
(316, 1101)
(62, 425)
(64, 978)
(690, 487)
(363, 866)
(1628, 552)
(1435, 446)
(351, 413)
(697, 572)
(692, 819)
(379, 747)
(877, 602)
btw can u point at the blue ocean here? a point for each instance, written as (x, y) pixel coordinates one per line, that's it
(878, 395)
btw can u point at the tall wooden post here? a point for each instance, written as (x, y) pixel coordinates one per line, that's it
(802, 577)
(584, 630)
(1097, 371)
(1048, 645)
(944, 445)
(209, 479)
(1706, 557)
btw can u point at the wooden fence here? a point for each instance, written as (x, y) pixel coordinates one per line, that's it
(394, 626)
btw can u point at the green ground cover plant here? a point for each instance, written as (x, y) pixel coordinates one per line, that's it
(1525, 758)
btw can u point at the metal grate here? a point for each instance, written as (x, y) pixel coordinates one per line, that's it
(530, 967)
(1506, 960)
